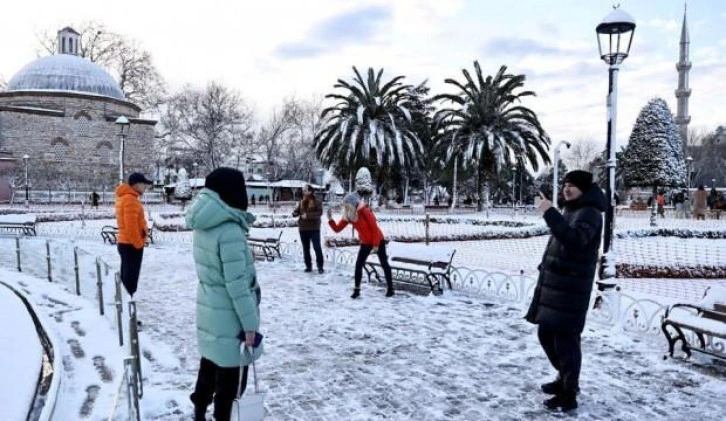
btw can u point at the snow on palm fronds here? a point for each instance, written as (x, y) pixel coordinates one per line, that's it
(371, 123)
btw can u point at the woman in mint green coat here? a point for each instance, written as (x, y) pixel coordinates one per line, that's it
(228, 294)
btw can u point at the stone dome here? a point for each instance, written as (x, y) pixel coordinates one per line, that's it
(65, 72)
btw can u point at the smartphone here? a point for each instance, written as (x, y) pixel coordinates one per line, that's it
(258, 338)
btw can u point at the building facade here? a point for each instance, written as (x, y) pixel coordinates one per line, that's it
(59, 111)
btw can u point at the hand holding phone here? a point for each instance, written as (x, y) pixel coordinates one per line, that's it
(544, 204)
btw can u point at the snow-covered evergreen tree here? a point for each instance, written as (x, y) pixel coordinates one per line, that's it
(364, 182)
(654, 156)
(183, 189)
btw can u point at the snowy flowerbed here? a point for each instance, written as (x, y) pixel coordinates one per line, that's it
(174, 222)
(450, 220)
(674, 232)
(629, 270)
(494, 234)
(51, 216)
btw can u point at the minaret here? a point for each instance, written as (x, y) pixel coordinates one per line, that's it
(68, 41)
(683, 92)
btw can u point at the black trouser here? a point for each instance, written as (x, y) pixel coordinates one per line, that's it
(130, 266)
(305, 238)
(363, 253)
(562, 347)
(218, 384)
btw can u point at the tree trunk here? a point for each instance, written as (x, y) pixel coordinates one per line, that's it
(654, 205)
(479, 190)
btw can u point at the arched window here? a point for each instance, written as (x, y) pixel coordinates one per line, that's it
(104, 152)
(82, 123)
(60, 149)
(63, 44)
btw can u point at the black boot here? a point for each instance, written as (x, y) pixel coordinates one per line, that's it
(390, 292)
(553, 388)
(200, 414)
(356, 293)
(566, 401)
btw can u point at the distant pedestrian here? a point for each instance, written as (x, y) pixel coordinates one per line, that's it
(132, 229)
(700, 203)
(712, 198)
(228, 294)
(660, 200)
(252, 200)
(370, 236)
(309, 211)
(566, 274)
(679, 200)
(94, 199)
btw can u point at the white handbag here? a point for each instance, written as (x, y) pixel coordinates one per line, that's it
(251, 406)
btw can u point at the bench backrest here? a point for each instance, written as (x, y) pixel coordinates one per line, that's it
(714, 302)
(437, 256)
(265, 234)
(16, 218)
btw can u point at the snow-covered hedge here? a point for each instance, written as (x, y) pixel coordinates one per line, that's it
(673, 232)
(455, 221)
(629, 270)
(60, 216)
(344, 241)
(174, 222)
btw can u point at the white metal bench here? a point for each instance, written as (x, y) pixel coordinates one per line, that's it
(416, 265)
(705, 319)
(18, 224)
(265, 242)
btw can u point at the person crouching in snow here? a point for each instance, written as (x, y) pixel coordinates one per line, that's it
(228, 294)
(370, 235)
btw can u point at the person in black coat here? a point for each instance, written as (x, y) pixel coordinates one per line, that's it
(562, 295)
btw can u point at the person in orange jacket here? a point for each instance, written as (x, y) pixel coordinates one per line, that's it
(370, 235)
(132, 229)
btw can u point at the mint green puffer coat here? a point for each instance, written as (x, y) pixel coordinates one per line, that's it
(228, 293)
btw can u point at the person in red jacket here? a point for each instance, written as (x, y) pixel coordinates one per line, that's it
(370, 236)
(132, 229)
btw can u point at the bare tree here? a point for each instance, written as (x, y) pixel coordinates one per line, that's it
(210, 123)
(582, 153)
(132, 66)
(709, 157)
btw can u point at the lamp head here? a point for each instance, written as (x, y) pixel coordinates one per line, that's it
(123, 124)
(615, 36)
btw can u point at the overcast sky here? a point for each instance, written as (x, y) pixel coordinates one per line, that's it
(272, 49)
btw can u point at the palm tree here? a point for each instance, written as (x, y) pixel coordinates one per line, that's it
(487, 128)
(369, 126)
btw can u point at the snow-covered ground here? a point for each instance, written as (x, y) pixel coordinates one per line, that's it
(458, 356)
(22, 354)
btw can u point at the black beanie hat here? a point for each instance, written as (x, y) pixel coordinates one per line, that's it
(229, 184)
(581, 179)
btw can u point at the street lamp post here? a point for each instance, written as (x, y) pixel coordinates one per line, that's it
(614, 38)
(555, 170)
(195, 167)
(26, 158)
(689, 163)
(123, 129)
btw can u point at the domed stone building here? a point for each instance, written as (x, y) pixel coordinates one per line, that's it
(60, 112)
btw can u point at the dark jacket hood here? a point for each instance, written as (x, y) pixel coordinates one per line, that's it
(593, 197)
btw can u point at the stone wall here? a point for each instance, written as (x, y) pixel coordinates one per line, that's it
(82, 126)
